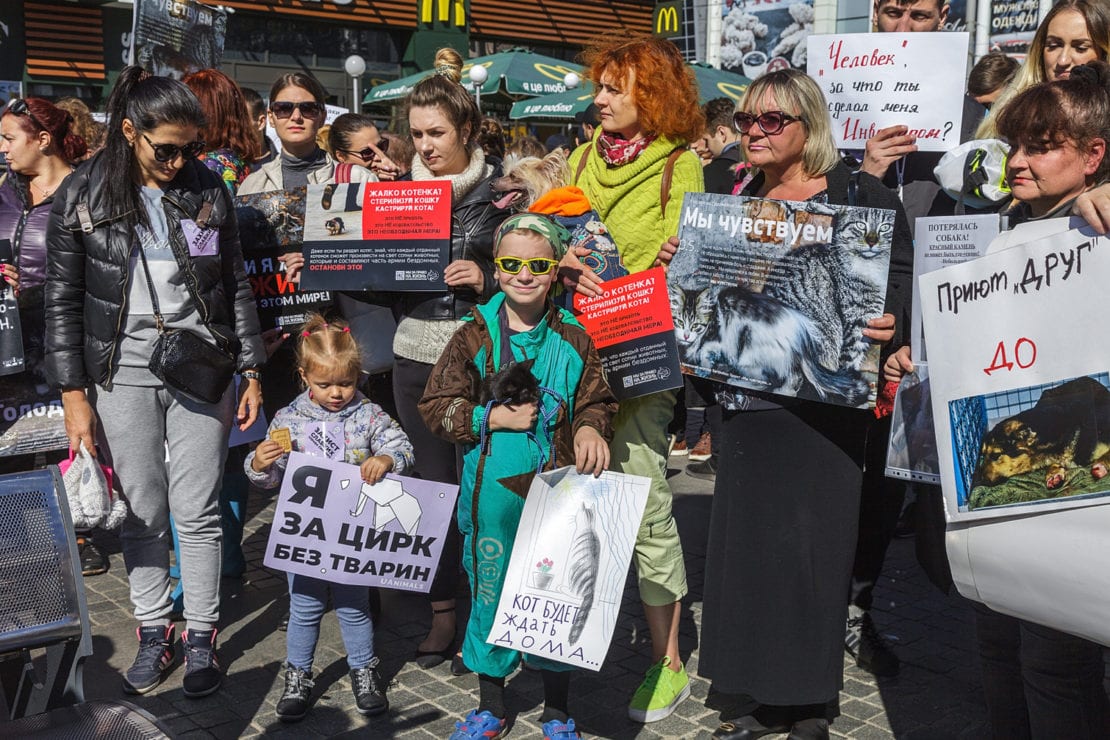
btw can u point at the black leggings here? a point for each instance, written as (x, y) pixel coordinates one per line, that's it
(436, 459)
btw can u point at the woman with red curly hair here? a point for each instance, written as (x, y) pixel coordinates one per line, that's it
(228, 131)
(648, 108)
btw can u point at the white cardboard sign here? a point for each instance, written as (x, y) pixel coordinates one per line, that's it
(1019, 379)
(875, 80)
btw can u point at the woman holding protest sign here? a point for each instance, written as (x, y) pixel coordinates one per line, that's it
(647, 102)
(444, 123)
(1073, 33)
(782, 532)
(148, 314)
(1040, 682)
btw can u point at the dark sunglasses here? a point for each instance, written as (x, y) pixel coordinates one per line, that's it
(513, 265)
(169, 152)
(19, 107)
(770, 123)
(368, 153)
(284, 109)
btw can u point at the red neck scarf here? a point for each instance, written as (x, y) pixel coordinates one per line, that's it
(617, 151)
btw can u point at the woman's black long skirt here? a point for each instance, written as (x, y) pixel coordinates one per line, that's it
(782, 537)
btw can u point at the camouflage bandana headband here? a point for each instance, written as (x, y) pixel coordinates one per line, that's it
(546, 227)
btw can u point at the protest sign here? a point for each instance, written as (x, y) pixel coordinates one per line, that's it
(875, 80)
(383, 236)
(270, 225)
(172, 38)
(31, 418)
(774, 295)
(1020, 396)
(939, 242)
(912, 449)
(563, 587)
(632, 328)
(330, 525)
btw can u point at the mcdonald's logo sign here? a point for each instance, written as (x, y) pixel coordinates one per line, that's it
(449, 12)
(666, 19)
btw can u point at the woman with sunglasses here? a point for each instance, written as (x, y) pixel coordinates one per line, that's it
(782, 531)
(42, 148)
(647, 103)
(297, 111)
(144, 229)
(354, 140)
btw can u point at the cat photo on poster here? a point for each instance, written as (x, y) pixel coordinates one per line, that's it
(774, 296)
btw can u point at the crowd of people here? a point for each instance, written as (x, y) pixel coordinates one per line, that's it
(109, 269)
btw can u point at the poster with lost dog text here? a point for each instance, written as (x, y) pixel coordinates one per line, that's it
(632, 327)
(774, 296)
(567, 568)
(382, 236)
(1020, 384)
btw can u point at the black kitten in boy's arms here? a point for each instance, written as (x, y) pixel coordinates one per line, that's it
(513, 384)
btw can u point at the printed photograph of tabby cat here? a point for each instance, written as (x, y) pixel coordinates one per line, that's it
(1037, 443)
(761, 313)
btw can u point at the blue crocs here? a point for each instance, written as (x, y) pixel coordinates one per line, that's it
(556, 730)
(479, 726)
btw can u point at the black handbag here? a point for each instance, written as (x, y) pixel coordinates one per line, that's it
(185, 361)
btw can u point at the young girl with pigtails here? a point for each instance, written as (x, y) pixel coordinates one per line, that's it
(329, 363)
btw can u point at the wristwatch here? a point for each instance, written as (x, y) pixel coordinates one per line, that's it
(252, 375)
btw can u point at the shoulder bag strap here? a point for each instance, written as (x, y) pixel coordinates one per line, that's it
(153, 296)
(582, 162)
(668, 175)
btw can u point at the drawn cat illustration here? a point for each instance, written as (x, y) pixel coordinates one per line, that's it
(834, 284)
(757, 337)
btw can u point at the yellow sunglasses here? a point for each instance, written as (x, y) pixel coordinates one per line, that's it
(536, 265)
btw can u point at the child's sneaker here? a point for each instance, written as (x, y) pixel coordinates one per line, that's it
(202, 669)
(293, 704)
(369, 690)
(660, 693)
(479, 726)
(154, 657)
(556, 730)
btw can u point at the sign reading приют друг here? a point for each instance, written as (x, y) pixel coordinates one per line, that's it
(875, 80)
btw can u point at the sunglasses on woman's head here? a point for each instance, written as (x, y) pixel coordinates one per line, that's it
(770, 123)
(19, 107)
(308, 109)
(168, 152)
(368, 154)
(513, 265)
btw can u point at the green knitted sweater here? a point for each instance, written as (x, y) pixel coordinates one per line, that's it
(627, 197)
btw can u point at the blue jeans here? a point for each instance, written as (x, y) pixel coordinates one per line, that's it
(308, 600)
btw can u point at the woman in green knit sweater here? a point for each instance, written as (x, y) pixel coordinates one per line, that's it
(648, 108)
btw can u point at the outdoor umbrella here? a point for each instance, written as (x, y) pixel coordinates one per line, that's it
(516, 73)
(712, 83)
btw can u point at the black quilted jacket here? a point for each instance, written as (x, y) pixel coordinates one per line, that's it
(88, 264)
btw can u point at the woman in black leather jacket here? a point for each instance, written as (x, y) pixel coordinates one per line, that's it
(145, 216)
(444, 124)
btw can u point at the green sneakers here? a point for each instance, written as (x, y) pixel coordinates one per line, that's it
(660, 693)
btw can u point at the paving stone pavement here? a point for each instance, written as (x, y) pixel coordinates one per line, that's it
(937, 695)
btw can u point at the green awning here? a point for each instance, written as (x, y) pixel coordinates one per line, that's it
(712, 83)
(516, 73)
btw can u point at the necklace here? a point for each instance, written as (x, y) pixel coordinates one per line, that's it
(45, 193)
